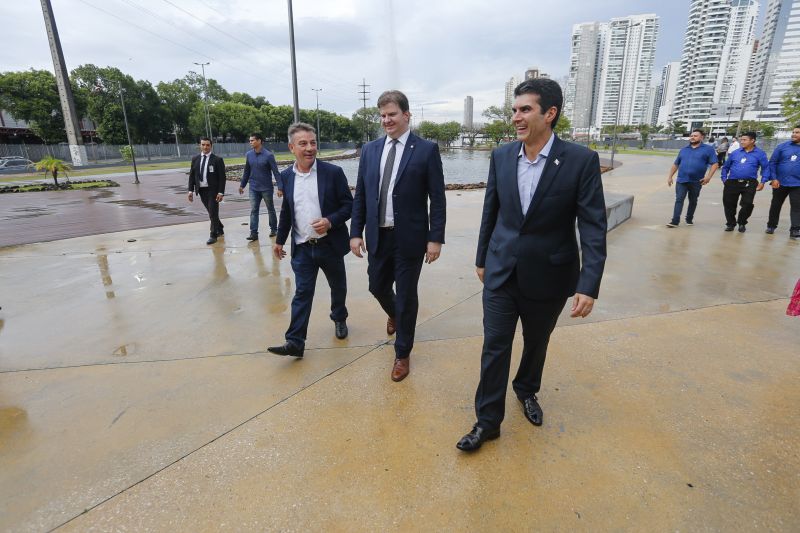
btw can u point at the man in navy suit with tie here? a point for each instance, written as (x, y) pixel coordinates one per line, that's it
(528, 256)
(316, 206)
(397, 175)
(207, 177)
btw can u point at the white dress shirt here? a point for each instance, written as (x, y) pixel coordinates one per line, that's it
(399, 148)
(530, 172)
(306, 204)
(204, 170)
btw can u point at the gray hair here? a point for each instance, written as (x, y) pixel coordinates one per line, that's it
(300, 126)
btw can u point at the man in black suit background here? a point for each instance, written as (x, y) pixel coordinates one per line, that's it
(397, 175)
(528, 255)
(316, 206)
(207, 177)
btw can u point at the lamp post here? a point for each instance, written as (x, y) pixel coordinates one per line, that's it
(100, 87)
(294, 64)
(319, 134)
(205, 97)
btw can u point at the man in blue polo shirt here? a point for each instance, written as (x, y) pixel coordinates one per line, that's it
(691, 164)
(740, 179)
(785, 167)
(259, 167)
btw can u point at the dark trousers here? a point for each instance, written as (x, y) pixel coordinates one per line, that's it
(721, 158)
(731, 193)
(692, 189)
(255, 205)
(388, 267)
(212, 206)
(778, 197)
(307, 261)
(502, 308)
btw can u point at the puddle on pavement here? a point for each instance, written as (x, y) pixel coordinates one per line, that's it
(11, 419)
(101, 194)
(161, 208)
(105, 274)
(28, 212)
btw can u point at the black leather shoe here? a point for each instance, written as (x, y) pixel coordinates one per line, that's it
(794, 235)
(253, 237)
(272, 233)
(475, 439)
(341, 329)
(742, 228)
(729, 228)
(770, 230)
(287, 349)
(211, 240)
(533, 411)
(220, 234)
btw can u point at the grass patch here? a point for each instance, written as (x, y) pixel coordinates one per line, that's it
(62, 186)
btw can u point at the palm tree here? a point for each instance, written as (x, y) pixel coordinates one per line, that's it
(53, 166)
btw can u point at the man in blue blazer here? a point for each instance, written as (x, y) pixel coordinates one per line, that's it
(397, 175)
(316, 206)
(528, 255)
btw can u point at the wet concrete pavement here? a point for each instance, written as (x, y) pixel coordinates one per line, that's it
(135, 385)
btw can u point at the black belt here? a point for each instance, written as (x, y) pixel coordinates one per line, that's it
(387, 228)
(313, 242)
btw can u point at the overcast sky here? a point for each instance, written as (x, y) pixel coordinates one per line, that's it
(437, 52)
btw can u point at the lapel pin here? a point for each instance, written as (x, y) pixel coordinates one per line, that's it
(557, 162)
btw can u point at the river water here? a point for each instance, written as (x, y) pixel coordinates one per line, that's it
(460, 166)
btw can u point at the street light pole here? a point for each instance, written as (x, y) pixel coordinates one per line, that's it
(319, 134)
(294, 64)
(128, 132)
(205, 97)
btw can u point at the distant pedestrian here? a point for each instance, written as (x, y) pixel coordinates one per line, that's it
(692, 165)
(207, 177)
(785, 167)
(740, 178)
(259, 167)
(733, 147)
(722, 150)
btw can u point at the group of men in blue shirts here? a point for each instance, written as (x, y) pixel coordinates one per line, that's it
(697, 162)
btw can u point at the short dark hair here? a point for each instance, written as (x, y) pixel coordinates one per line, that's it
(300, 126)
(257, 136)
(796, 127)
(394, 97)
(750, 134)
(698, 130)
(548, 91)
(206, 139)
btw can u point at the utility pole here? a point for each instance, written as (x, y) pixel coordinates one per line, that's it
(364, 92)
(205, 99)
(77, 150)
(319, 134)
(294, 64)
(128, 132)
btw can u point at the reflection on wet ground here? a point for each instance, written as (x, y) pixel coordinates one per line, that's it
(161, 208)
(102, 194)
(27, 212)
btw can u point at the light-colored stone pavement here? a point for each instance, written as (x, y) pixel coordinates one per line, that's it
(136, 393)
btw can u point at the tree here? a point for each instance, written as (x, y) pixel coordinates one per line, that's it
(497, 131)
(765, 129)
(367, 121)
(644, 133)
(498, 113)
(791, 104)
(179, 99)
(676, 127)
(470, 134)
(449, 132)
(32, 96)
(229, 120)
(216, 93)
(52, 166)
(564, 127)
(428, 130)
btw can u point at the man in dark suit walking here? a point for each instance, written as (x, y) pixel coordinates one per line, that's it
(207, 177)
(316, 206)
(528, 255)
(397, 175)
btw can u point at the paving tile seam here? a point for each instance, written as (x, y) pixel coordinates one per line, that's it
(221, 435)
(177, 359)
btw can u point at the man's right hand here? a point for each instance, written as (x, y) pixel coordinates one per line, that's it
(357, 246)
(480, 271)
(278, 251)
(191, 196)
(241, 190)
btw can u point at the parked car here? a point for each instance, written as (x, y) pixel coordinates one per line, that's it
(14, 164)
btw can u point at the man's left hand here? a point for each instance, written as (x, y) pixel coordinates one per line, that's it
(433, 252)
(219, 197)
(760, 186)
(705, 181)
(278, 252)
(321, 225)
(581, 305)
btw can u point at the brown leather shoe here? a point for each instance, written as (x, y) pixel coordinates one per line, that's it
(400, 369)
(390, 327)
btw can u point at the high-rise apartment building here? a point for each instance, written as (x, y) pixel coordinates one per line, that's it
(511, 84)
(736, 52)
(626, 70)
(468, 108)
(669, 84)
(580, 95)
(777, 62)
